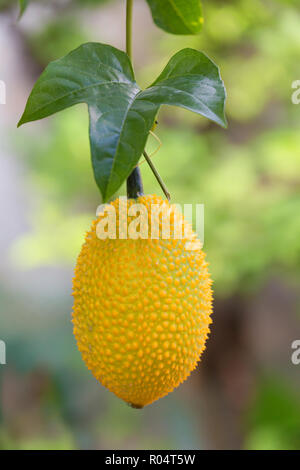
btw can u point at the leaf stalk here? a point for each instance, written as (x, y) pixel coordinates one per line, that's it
(157, 175)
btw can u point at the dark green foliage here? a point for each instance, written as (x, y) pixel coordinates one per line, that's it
(121, 114)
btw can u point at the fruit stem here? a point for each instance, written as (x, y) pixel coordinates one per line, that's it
(134, 181)
(135, 184)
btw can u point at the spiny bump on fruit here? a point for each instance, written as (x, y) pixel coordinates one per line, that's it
(142, 307)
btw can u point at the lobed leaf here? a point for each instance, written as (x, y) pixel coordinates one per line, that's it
(102, 77)
(121, 114)
(192, 81)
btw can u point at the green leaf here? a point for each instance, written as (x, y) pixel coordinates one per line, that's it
(121, 115)
(192, 81)
(102, 77)
(23, 5)
(177, 16)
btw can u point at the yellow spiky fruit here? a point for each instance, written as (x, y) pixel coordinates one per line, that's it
(141, 306)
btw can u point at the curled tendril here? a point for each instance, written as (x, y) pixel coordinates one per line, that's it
(156, 150)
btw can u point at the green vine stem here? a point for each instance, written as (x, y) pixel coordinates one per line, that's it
(129, 10)
(134, 181)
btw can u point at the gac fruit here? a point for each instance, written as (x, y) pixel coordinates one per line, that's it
(142, 306)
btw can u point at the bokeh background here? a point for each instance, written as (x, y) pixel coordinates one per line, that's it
(245, 392)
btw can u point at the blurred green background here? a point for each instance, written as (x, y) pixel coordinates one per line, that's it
(245, 392)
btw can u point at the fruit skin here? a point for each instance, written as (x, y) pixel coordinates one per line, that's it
(141, 310)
